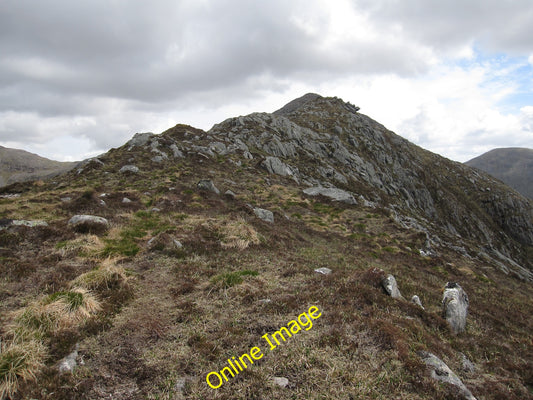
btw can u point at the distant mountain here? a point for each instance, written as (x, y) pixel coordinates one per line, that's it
(513, 166)
(19, 166)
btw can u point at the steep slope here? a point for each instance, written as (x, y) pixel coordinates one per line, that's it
(514, 166)
(212, 244)
(19, 165)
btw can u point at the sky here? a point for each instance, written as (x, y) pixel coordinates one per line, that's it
(80, 77)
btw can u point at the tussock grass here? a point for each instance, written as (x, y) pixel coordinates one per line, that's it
(107, 276)
(19, 361)
(60, 310)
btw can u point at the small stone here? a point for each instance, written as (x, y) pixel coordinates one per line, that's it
(468, 366)
(68, 364)
(416, 300)
(125, 200)
(230, 194)
(265, 301)
(323, 271)
(280, 381)
(66, 199)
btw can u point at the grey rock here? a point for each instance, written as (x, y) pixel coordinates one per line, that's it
(455, 306)
(391, 287)
(176, 151)
(323, 271)
(263, 214)
(280, 381)
(102, 203)
(207, 185)
(139, 139)
(416, 300)
(68, 364)
(129, 168)
(441, 372)
(66, 199)
(88, 223)
(332, 193)
(467, 365)
(230, 194)
(158, 159)
(275, 166)
(125, 200)
(30, 224)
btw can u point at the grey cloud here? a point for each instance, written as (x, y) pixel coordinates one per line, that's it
(495, 25)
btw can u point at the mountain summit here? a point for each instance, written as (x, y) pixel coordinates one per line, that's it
(276, 250)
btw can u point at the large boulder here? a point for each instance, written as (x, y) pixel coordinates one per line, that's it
(208, 186)
(129, 169)
(263, 214)
(455, 306)
(88, 224)
(441, 372)
(332, 193)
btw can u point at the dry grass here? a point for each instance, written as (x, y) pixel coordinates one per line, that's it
(107, 276)
(19, 361)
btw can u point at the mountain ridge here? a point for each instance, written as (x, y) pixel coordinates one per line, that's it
(20, 165)
(512, 165)
(186, 248)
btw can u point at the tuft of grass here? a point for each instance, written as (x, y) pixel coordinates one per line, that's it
(19, 361)
(107, 276)
(230, 279)
(60, 310)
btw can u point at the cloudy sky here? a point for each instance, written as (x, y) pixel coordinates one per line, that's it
(80, 77)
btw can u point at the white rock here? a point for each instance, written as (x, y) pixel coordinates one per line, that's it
(455, 306)
(265, 215)
(323, 271)
(280, 381)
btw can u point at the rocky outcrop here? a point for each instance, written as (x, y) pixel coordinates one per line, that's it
(441, 372)
(332, 193)
(455, 306)
(275, 166)
(129, 169)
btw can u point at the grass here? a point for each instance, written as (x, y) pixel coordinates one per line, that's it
(19, 362)
(230, 279)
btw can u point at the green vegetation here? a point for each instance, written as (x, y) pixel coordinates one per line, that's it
(230, 279)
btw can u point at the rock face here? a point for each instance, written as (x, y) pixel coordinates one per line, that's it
(274, 166)
(441, 372)
(391, 287)
(332, 193)
(88, 223)
(455, 306)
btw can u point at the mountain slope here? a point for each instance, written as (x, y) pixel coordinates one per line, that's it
(186, 276)
(514, 166)
(19, 166)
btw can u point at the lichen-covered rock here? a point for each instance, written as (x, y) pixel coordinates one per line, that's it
(88, 223)
(441, 372)
(332, 193)
(391, 287)
(263, 214)
(208, 185)
(455, 306)
(280, 381)
(129, 169)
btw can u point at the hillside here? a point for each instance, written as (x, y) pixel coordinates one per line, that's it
(19, 166)
(209, 243)
(514, 166)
